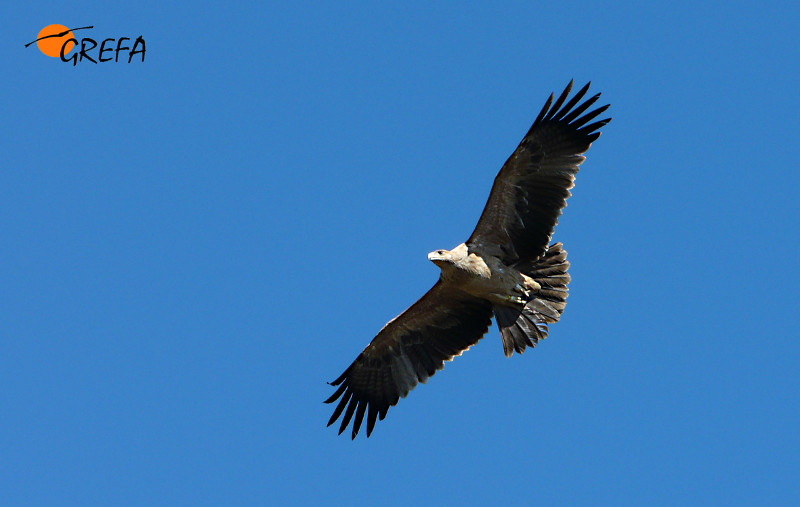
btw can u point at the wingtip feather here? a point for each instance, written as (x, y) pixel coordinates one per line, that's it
(336, 394)
(338, 410)
(362, 407)
(557, 106)
(543, 112)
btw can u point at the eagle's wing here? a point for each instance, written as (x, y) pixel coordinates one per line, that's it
(409, 349)
(531, 189)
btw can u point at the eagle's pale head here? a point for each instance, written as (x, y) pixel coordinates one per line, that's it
(440, 257)
(444, 258)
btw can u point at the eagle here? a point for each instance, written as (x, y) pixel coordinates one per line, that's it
(507, 269)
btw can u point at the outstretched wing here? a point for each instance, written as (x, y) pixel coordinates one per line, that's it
(409, 349)
(532, 188)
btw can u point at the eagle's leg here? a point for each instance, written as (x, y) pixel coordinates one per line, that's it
(511, 299)
(528, 285)
(522, 290)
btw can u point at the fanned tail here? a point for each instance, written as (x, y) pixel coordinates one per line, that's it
(524, 326)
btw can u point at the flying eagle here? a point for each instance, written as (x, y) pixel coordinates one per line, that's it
(505, 269)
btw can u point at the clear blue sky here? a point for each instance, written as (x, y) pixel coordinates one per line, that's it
(192, 246)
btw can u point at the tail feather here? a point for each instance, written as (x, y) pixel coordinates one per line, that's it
(524, 326)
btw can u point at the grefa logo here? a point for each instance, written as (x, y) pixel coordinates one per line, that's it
(58, 41)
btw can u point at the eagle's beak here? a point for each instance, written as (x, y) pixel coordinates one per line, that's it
(436, 256)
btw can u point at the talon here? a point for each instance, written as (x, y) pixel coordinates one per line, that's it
(515, 299)
(519, 288)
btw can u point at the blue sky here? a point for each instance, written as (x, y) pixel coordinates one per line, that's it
(192, 246)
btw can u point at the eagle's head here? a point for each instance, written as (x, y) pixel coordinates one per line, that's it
(440, 257)
(443, 258)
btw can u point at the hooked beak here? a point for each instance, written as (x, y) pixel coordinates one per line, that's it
(437, 256)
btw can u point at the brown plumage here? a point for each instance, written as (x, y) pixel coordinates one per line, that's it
(505, 269)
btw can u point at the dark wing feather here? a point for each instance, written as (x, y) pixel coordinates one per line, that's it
(408, 350)
(533, 186)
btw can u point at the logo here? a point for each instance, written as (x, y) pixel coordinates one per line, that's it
(58, 41)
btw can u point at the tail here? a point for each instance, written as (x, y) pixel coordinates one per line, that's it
(526, 325)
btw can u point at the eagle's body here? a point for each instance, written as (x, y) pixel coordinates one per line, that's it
(482, 275)
(507, 269)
